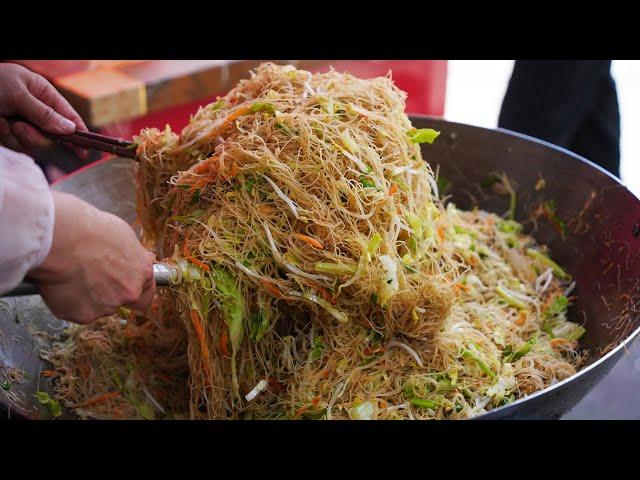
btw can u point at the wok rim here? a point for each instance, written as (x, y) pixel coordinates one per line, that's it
(614, 351)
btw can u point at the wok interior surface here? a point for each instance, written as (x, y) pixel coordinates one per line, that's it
(599, 249)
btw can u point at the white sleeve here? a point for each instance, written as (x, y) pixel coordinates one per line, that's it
(26, 217)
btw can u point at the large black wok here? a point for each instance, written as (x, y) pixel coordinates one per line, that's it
(600, 249)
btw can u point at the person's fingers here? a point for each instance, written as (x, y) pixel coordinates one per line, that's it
(29, 137)
(42, 115)
(144, 302)
(149, 284)
(7, 138)
(81, 152)
(5, 128)
(42, 90)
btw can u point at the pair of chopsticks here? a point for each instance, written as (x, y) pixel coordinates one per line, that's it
(96, 141)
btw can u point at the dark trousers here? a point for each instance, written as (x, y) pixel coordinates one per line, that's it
(572, 104)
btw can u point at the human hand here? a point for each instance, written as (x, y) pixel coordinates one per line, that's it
(96, 264)
(28, 95)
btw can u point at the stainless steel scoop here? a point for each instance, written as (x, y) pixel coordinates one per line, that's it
(164, 275)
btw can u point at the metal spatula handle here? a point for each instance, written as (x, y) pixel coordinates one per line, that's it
(163, 274)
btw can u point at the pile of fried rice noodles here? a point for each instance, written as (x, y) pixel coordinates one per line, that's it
(321, 275)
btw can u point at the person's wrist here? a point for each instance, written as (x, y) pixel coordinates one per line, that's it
(70, 214)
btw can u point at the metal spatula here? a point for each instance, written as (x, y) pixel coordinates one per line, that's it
(164, 275)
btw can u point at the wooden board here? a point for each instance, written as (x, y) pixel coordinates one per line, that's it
(109, 91)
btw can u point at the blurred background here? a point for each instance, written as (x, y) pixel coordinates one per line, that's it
(119, 97)
(475, 89)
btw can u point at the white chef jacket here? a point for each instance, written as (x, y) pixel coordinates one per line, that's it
(26, 217)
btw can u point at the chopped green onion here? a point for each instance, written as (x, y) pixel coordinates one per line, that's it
(423, 135)
(490, 180)
(365, 182)
(558, 306)
(514, 302)
(374, 243)
(52, 405)
(577, 332)
(283, 127)
(146, 411)
(409, 267)
(442, 184)
(509, 226)
(232, 304)
(568, 330)
(550, 212)
(115, 376)
(318, 348)
(464, 231)
(525, 348)
(335, 268)
(263, 107)
(483, 366)
(259, 324)
(537, 255)
(217, 105)
(249, 184)
(415, 223)
(423, 403)
(511, 213)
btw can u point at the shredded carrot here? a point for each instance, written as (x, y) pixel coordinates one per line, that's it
(187, 256)
(85, 369)
(608, 268)
(227, 123)
(370, 351)
(234, 170)
(301, 410)
(238, 112)
(310, 240)
(325, 372)
(224, 343)
(441, 234)
(272, 289)
(132, 331)
(316, 400)
(198, 184)
(393, 188)
(197, 324)
(460, 286)
(266, 209)
(47, 373)
(199, 263)
(324, 293)
(164, 378)
(382, 404)
(118, 415)
(559, 341)
(99, 399)
(275, 385)
(521, 319)
(204, 166)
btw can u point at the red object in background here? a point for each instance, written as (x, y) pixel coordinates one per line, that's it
(423, 80)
